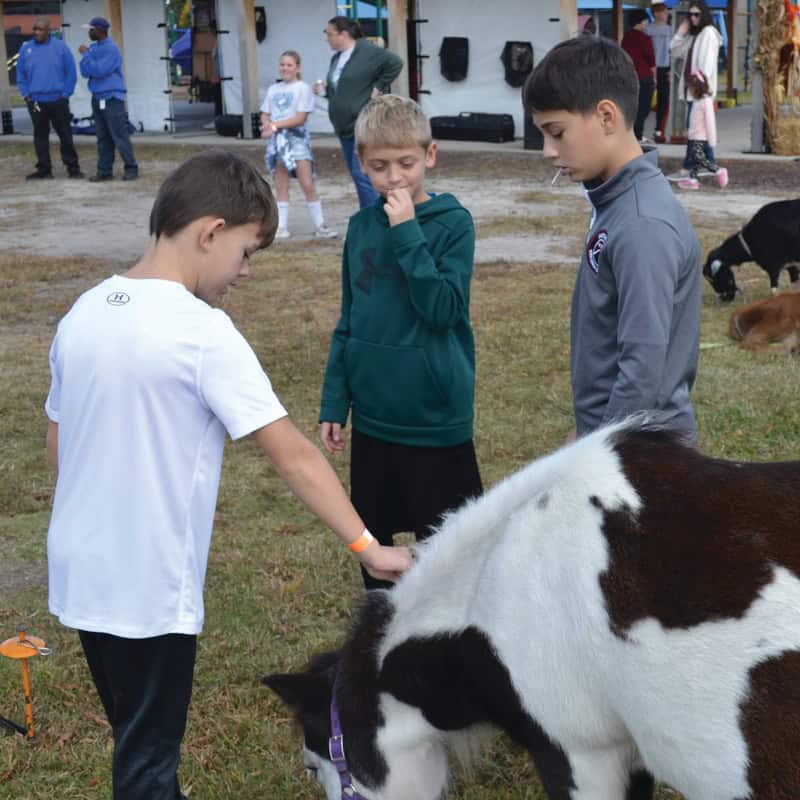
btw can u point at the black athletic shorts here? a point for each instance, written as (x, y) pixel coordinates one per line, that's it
(397, 488)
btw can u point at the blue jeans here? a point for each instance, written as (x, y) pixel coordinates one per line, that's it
(707, 148)
(364, 188)
(111, 126)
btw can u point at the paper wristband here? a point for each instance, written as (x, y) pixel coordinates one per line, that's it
(363, 542)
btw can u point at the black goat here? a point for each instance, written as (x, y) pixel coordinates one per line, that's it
(771, 239)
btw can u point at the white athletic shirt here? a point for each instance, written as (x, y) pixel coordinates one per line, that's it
(146, 379)
(284, 100)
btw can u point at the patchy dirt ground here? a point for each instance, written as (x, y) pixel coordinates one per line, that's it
(520, 216)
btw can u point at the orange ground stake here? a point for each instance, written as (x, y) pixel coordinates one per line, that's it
(23, 647)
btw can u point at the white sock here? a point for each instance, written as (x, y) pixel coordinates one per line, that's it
(283, 216)
(317, 217)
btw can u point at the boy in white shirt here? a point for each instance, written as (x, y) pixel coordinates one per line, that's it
(146, 379)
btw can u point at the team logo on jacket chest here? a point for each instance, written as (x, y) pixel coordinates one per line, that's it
(596, 244)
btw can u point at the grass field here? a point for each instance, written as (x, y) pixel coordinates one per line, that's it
(279, 586)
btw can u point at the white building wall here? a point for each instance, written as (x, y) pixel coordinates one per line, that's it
(299, 24)
(146, 75)
(291, 25)
(488, 27)
(74, 16)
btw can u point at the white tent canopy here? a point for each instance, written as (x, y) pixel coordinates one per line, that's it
(298, 25)
(487, 27)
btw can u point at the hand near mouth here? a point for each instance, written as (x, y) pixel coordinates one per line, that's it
(399, 206)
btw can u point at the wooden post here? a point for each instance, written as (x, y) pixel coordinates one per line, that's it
(568, 14)
(731, 21)
(398, 41)
(618, 20)
(757, 92)
(5, 84)
(113, 13)
(248, 63)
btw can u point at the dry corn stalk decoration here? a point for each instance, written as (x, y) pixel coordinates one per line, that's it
(778, 57)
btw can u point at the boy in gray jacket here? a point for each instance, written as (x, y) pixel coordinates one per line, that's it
(635, 325)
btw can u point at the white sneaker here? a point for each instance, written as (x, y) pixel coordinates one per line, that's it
(324, 232)
(678, 176)
(282, 233)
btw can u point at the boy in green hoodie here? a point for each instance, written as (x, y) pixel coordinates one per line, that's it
(402, 357)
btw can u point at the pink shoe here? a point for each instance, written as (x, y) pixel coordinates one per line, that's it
(722, 177)
(689, 183)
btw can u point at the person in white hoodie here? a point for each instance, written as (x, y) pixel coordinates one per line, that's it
(697, 42)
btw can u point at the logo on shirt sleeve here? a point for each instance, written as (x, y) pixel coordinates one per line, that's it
(117, 299)
(596, 244)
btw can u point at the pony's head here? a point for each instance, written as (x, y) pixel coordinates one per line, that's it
(360, 741)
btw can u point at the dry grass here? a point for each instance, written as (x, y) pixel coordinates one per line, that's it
(279, 586)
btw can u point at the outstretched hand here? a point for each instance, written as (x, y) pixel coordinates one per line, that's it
(385, 563)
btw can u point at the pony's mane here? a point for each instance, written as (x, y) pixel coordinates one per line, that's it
(465, 538)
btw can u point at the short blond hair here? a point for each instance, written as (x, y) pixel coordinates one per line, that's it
(392, 121)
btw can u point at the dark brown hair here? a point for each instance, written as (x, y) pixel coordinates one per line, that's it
(215, 183)
(698, 85)
(577, 74)
(705, 17)
(345, 24)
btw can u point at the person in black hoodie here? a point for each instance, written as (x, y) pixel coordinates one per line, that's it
(402, 357)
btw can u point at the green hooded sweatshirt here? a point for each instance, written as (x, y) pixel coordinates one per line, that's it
(403, 354)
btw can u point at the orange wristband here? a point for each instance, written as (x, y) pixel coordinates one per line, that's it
(362, 543)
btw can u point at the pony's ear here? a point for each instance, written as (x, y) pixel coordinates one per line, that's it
(301, 690)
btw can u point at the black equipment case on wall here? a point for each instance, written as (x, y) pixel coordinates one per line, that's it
(474, 127)
(229, 125)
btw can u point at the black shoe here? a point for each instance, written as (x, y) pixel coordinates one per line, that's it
(130, 176)
(98, 178)
(35, 176)
(77, 174)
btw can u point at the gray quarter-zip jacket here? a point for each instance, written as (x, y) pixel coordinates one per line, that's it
(635, 327)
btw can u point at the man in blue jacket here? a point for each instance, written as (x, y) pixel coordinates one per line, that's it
(46, 78)
(101, 63)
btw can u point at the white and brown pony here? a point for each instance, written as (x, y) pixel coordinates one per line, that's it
(625, 609)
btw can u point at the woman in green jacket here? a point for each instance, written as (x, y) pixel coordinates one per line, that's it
(358, 71)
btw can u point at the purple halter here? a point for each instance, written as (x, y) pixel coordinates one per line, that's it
(336, 752)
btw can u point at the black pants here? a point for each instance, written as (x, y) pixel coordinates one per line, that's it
(645, 99)
(662, 98)
(396, 488)
(698, 158)
(145, 686)
(57, 114)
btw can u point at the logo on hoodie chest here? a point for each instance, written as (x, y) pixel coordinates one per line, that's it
(594, 247)
(371, 269)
